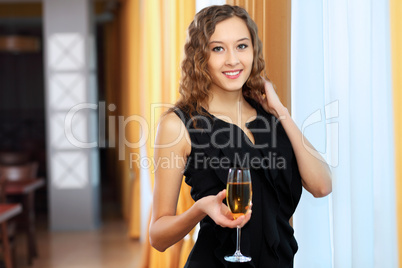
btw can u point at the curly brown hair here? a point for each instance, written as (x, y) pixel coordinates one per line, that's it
(196, 80)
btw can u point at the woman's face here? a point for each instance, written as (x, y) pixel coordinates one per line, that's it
(231, 55)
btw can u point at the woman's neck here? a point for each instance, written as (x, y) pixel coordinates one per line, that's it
(221, 101)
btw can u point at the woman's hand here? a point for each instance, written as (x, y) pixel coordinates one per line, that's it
(212, 205)
(315, 173)
(270, 100)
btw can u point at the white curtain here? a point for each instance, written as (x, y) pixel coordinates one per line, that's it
(200, 4)
(341, 99)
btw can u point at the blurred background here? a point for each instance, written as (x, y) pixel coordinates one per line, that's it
(83, 83)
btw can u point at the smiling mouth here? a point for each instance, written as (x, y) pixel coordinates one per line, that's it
(232, 74)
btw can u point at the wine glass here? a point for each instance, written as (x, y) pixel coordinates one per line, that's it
(238, 198)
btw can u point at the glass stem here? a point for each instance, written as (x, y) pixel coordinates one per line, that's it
(238, 241)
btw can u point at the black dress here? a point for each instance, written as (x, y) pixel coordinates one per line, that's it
(276, 183)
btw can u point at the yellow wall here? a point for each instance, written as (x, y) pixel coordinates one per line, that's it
(8, 10)
(273, 21)
(396, 39)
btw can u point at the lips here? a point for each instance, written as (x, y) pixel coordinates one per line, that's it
(233, 74)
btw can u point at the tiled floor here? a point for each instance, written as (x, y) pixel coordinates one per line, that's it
(108, 247)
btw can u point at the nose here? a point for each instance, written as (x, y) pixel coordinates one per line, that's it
(232, 58)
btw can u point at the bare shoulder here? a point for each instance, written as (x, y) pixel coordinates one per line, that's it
(171, 125)
(172, 133)
(170, 119)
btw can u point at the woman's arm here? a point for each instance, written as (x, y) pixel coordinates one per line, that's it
(172, 148)
(315, 173)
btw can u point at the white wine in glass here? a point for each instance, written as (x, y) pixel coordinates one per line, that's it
(238, 199)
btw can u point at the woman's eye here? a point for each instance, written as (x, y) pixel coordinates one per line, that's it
(217, 49)
(243, 46)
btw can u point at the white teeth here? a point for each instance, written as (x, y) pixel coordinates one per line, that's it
(232, 73)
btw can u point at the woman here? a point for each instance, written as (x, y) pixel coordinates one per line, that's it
(229, 115)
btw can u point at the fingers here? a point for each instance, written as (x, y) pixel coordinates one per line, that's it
(240, 221)
(244, 219)
(247, 217)
(221, 195)
(227, 223)
(269, 88)
(226, 218)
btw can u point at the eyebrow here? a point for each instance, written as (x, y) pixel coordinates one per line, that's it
(220, 42)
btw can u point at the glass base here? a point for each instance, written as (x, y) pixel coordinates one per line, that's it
(237, 258)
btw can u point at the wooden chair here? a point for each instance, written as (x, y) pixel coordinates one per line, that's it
(7, 225)
(14, 157)
(18, 176)
(19, 172)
